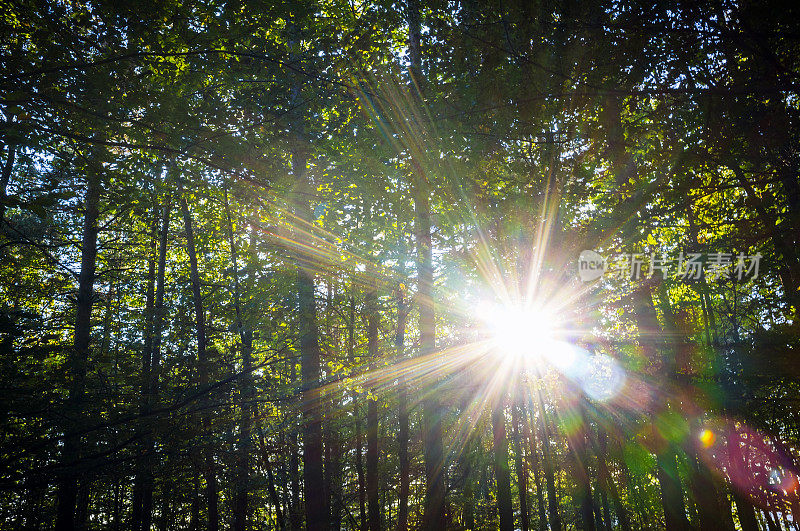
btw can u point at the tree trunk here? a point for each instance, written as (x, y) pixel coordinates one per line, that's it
(333, 469)
(469, 500)
(77, 360)
(668, 479)
(608, 485)
(194, 519)
(577, 447)
(522, 472)
(502, 476)
(209, 468)
(245, 388)
(82, 503)
(374, 507)
(549, 476)
(373, 503)
(316, 503)
(141, 464)
(273, 493)
(402, 415)
(745, 510)
(295, 515)
(151, 362)
(362, 493)
(435, 471)
(534, 464)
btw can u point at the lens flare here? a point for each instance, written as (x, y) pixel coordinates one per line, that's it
(707, 438)
(603, 378)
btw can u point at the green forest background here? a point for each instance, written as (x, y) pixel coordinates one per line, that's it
(246, 252)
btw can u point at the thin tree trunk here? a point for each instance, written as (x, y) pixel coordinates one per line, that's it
(362, 492)
(209, 469)
(606, 509)
(534, 464)
(333, 453)
(141, 465)
(607, 483)
(78, 356)
(577, 446)
(151, 369)
(362, 495)
(373, 504)
(194, 521)
(374, 508)
(549, 476)
(334, 481)
(166, 512)
(273, 493)
(522, 472)
(502, 475)
(402, 407)
(295, 515)
(245, 388)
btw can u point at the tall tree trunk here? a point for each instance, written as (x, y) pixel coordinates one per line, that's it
(402, 414)
(194, 518)
(373, 502)
(745, 510)
(577, 447)
(78, 356)
(209, 466)
(334, 480)
(362, 492)
(522, 472)
(502, 475)
(159, 318)
(534, 465)
(316, 510)
(374, 506)
(273, 493)
(82, 503)
(704, 490)
(141, 465)
(316, 503)
(607, 482)
(151, 369)
(469, 501)
(295, 515)
(606, 509)
(245, 388)
(362, 495)
(435, 471)
(667, 473)
(544, 435)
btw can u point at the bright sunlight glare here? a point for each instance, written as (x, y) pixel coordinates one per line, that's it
(518, 331)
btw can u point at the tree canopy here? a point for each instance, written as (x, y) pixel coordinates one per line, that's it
(372, 265)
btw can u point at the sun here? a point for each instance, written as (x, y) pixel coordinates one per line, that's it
(519, 331)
